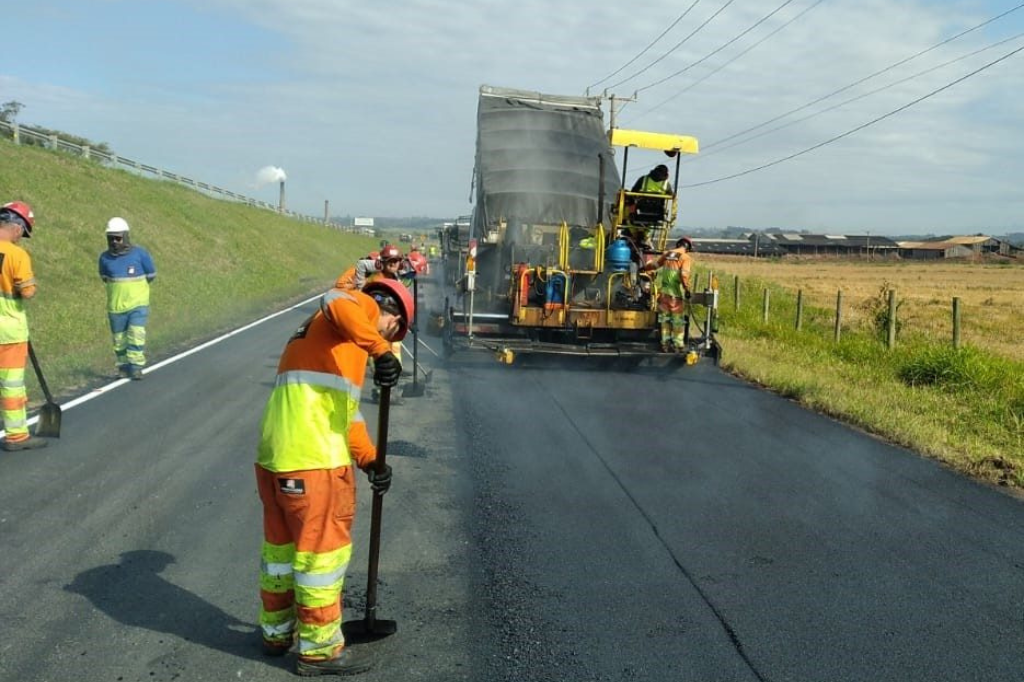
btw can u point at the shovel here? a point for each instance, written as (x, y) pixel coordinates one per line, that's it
(370, 628)
(415, 390)
(49, 415)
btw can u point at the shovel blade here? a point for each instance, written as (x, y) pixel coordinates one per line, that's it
(48, 425)
(364, 631)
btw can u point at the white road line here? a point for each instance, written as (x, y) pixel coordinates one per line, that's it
(118, 382)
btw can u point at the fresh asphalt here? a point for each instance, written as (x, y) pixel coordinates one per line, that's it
(547, 521)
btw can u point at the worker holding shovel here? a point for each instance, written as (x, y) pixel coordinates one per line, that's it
(17, 283)
(312, 439)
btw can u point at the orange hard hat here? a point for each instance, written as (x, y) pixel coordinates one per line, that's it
(393, 297)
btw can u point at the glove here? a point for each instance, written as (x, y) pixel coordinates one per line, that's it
(387, 370)
(380, 481)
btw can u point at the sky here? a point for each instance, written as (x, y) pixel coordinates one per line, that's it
(372, 106)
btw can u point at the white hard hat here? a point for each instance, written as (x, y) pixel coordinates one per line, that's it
(117, 225)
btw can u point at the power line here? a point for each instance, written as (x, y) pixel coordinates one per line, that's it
(717, 50)
(676, 46)
(649, 46)
(866, 78)
(858, 128)
(864, 95)
(714, 71)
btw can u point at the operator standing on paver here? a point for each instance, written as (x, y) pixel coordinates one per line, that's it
(17, 283)
(312, 438)
(673, 285)
(127, 271)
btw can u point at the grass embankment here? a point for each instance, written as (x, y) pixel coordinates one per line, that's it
(964, 407)
(219, 264)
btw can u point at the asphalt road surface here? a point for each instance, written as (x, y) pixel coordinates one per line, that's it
(548, 521)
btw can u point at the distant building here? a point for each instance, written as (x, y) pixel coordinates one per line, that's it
(959, 247)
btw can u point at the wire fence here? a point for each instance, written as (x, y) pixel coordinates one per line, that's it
(52, 141)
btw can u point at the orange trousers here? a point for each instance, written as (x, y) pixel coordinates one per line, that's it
(307, 545)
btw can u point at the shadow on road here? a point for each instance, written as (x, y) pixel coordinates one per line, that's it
(133, 593)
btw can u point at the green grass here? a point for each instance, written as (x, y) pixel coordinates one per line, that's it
(219, 263)
(963, 406)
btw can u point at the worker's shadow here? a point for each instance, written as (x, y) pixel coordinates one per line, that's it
(133, 593)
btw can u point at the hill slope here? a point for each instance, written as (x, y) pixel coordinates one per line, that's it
(219, 264)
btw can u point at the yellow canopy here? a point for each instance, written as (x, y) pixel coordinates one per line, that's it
(662, 141)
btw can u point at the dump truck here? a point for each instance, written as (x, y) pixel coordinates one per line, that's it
(553, 260)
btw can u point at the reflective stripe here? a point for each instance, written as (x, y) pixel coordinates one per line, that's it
(306, 645)
(275, 569)
(320, 579)
(285, 628)
(118, 280)
(11, 382)
(322, 379)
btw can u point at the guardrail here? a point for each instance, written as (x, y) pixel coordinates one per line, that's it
(52, 141)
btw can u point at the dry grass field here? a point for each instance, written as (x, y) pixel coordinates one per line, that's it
(991, 293)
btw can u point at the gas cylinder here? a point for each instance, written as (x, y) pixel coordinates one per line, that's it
(555, 290)
(617, 255)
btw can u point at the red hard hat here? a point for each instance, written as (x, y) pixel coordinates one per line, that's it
(684, 241)
(393, 294)
(25, 211)
(390, 252)
(374, 255)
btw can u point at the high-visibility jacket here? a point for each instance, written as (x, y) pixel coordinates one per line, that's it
(312, 418)
(673, 276)
(127, 276)
(15, 277)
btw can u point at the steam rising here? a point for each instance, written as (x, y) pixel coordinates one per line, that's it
(269, 174)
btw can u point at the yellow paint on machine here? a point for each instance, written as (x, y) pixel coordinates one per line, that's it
(665, 142)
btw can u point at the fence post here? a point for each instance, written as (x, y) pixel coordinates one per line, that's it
(17, 134)
(799, 308)
(736, 292)
(956, 322)
(839, 315)
(85, 152)
(53, 141)
(764, 307)
(890, 339)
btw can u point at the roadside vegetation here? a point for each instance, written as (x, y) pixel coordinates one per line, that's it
(963, 406)
(219, 264)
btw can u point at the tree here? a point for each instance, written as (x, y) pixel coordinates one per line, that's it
(10, 110)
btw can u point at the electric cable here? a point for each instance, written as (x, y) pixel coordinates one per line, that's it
(866, 78)
(676, 46)
(645, 50)
(858, 128)
(714, 71)
(718, 49)
(866, 94)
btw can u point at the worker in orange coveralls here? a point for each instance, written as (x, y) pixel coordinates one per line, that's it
(17, 284)
(312, 439)
(673, 286)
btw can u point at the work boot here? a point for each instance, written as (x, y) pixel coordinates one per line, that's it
(135, 373)
(276, 648)
(30, 443)
(348, 662)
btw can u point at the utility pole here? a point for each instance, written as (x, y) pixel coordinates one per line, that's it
(612, 109)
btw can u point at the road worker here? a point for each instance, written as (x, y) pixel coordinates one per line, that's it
(312, 440)
(355, 277)
(17, 283)
(396, 268)
(127, 270)
(672, 283)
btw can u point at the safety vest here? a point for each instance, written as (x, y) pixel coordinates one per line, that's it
(651, 186)
(127, 276)
(15, 275)
(673, 276)
(312, 418)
